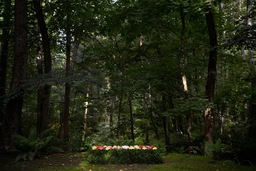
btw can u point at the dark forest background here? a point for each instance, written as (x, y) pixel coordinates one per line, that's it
(178, 74)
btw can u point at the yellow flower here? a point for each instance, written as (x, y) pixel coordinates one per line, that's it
(131, 148)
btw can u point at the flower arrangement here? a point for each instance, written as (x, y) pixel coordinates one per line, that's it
(124, 154)
(124, 147)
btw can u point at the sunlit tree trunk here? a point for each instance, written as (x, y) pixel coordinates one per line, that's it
(45, 91)
(182, 68)
(14, 105)
(86, 113)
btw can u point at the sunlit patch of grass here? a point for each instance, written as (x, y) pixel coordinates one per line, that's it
(184, 162)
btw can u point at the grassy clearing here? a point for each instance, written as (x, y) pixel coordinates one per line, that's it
(75, 162)
(173, 162)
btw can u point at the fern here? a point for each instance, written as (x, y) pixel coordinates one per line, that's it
(29, 147)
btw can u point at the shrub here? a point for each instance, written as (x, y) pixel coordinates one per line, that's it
(28, 148)
(124, 155)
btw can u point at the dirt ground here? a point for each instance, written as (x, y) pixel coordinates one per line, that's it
(54, 160)
(7, 164)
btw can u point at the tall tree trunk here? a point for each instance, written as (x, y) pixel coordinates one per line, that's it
(86, 111)
(212, 74)
(148, 108)
(14, 105)
(110, 111)
(64, 118)
(3, 61)
(166, 125)
(40, 90)
(45, 91)
(131, 117)
(182, 68)
(252, 113)
(151, 113)
(120, 105)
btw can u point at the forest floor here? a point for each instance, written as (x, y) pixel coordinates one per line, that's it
(76, 161)
(53, 160)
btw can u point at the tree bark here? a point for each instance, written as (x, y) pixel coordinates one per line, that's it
(111, 110)
(3, 60)
(252, 112)
(120, 103)
(166, 125)
(212, 74)
(14, 105)
(43, 92)
(86, 111)
(131, 117)
(148, 108)
(182, 68)
(64, 118)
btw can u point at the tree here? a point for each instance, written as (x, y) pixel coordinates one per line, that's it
(3, 59)
(252, 116)
(15, 103)
(45, 91)
(64, 117)
(212, 74)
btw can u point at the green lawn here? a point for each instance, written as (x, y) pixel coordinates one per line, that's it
(173, 162)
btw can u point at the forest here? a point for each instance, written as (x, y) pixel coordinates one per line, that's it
(176, 74)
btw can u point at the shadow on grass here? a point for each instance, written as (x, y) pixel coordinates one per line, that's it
(75, 162)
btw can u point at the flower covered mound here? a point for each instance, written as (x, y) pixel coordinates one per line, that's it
(124, 147)
(124, 154)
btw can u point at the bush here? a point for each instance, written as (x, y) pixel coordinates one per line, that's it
(27, 148)
(124, 155)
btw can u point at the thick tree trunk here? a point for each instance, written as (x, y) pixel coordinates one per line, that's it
(64, 118)
(252, 115)
(14, 105)
(45, 91)
(3, 61)
(182, 68)
(212, 74)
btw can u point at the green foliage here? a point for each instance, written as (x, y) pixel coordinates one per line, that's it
(97, 157)
(124, 157)
(195, 104)
(109, 34)
(103, 135)
(30, 147)
(215, 150)
(161, 147)
(134, 156)
(75, 141)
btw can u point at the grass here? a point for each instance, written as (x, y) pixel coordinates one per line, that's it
(173, 162)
